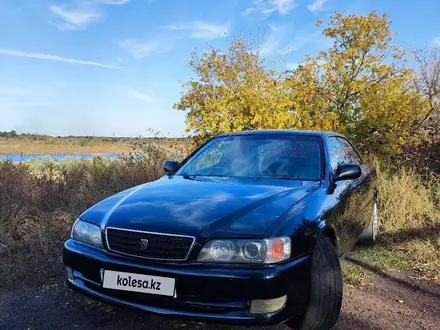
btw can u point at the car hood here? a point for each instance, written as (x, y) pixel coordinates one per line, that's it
(202, 206)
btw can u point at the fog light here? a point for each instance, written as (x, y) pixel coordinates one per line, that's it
(266, 306)
(69, 273)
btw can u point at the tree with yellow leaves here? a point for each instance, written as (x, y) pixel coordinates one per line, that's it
(233, 92)
(360, 87)
(367, 82)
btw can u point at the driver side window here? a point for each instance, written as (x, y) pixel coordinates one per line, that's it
(351, 153)
(337, 153)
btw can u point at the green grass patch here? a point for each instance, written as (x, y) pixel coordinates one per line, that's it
(420, 257)
(354, 275)
(383, 258)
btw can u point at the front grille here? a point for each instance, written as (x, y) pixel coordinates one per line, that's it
(159, 246)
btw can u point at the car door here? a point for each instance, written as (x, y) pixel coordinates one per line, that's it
(362, 191)
(342, 213)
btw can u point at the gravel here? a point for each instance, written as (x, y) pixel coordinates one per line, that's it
(387, 303)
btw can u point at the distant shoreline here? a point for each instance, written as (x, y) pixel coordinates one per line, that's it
(24, 158)
(47, 145)
(56, 153)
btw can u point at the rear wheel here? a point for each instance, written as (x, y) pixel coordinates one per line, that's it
(325, 289)
(369, 235)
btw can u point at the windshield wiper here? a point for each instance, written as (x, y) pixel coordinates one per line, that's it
(215, 175)
(274, 178)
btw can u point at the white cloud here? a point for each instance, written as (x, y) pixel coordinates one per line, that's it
(78, 14)
(114, 2)
(248, 11)
(143, 48)
(274, 28)
(175, 27)
(50, 57)
(317, 5)
(274, 43)
(135, 94)
(273, 46)
(75, 18)
(201, 30)
(436, 41)
(282, 7)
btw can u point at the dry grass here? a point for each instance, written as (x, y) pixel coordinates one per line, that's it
(409, 224)
(40, 200)
(85, 145)
(407, 202)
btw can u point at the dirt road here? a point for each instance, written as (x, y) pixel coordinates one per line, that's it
(388, 303)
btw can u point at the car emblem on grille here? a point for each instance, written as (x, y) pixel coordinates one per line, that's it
(144, 244)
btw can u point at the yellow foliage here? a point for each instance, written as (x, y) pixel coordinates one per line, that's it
(360, 86)
(235, 92)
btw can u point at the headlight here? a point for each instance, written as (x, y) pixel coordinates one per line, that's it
(87, 233)
(267, 251)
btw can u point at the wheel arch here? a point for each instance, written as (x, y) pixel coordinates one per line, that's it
(329, 232)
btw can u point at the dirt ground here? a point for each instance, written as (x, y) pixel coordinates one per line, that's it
(389, 302)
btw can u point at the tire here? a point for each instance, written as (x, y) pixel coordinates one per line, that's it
(369, 235)
(325, 297)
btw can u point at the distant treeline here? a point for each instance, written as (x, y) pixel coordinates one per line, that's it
(13, 133)
(9, 134)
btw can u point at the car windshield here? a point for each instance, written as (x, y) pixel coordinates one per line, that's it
(289, 157)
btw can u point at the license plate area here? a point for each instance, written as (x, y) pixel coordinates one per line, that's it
(163, 286)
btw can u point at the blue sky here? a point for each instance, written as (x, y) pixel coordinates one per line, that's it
(115, 67)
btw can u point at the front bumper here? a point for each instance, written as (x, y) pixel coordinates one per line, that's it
(204, 292)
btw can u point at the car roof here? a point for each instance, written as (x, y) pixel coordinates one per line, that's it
(282, 132)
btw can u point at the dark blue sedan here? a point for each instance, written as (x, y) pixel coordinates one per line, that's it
(248, 229)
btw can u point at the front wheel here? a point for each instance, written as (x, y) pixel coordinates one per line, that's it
(325, 298)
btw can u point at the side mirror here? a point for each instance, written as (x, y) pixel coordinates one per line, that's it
(170, 166)
(347, 172)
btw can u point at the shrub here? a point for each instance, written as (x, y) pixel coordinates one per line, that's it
(86, 142)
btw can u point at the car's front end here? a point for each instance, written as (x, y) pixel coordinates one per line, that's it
(236, 293)
(224, 237)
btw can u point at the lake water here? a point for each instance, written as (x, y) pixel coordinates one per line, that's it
(25, 158)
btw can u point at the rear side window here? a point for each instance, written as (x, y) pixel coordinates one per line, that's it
(351, 152)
